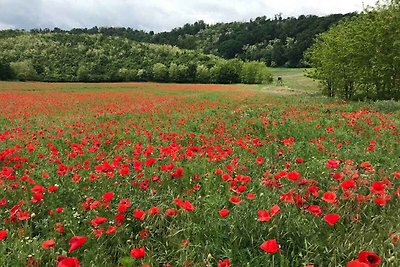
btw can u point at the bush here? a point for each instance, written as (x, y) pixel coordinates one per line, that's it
(24, 70)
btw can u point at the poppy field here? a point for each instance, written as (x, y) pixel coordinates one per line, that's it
(145, 174)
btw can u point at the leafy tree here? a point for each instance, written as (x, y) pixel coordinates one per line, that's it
(24, 70)
(6, 73)
(92, 58)
(227, 71)
(254, 73)
(203, 74)
(160, 72)
(360, 57)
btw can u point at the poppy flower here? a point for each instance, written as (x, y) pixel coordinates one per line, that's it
(329, 197)
(139, 214)
(108, 196)
(111, 230)
(171, 212)
(270, 246)
(357, 263)
(332, 218)
(251, 196)
(224, 263)
(48, 243)
(69, 262)
(263, 216)
(293, 175)
(347, 184)
(378, 187)
(332, 164)
(97, 221)
(315, 209)
(153, 210)
(138, 253)
(223, 212)
(275, 209)
(76, 242)
(235, 200)
(372, 259)
(3, 234)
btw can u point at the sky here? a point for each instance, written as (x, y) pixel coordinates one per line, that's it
(157, 15)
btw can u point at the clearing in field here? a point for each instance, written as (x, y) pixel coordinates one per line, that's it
(146, 174)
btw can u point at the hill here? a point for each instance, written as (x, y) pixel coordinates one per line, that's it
(84, 57)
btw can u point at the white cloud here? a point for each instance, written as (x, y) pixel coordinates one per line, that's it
(157, 15)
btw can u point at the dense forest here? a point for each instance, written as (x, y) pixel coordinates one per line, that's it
(96, 58)
(275, 42)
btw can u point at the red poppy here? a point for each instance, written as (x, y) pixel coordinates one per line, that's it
(332, 218)
(372, 259)
(329, 197)
(259, 160)
(153, 210)
(69, 262)
(224, 263)
(315, 209)
(357, 263)
(171, 212)
(378, 187)
(97, 221)
(235, 200)
(332, 164)
(139, 214)
(347, 184)
(270, 246)
(293, 175)
(108, 196)
(138, 253)
(263, 216)
(3, 234)
(111, 230)
(275, 209)
(48, 243)
(223, 212)
(251, 196)
(76, 242)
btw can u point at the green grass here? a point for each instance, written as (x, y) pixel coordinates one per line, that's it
(295, 79)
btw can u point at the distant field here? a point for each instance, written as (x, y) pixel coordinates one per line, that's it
(295, 79)
(148, 174)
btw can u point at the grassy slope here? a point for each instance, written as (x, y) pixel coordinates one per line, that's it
(294, 79)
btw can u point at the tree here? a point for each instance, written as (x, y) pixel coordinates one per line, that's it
(227, 71)
(6, 73)
(24, 70)
(360, 57)
(160, 72)
(203, 74)
(255, 73)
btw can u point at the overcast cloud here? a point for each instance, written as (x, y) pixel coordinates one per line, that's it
(157, 15)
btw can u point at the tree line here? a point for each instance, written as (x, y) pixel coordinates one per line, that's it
(360, 57)
(274, 41)
(98, 58)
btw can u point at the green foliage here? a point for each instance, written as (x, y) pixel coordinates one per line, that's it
(276, 42)
(227, 71)
(6, 73)
(255, 73)
(95, 58)
(360, 57)
(160, 72)
(203, 74)
(24, 70)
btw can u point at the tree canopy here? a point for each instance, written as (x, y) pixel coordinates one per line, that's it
(360, 57)
(95, 58)
(275, 42)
